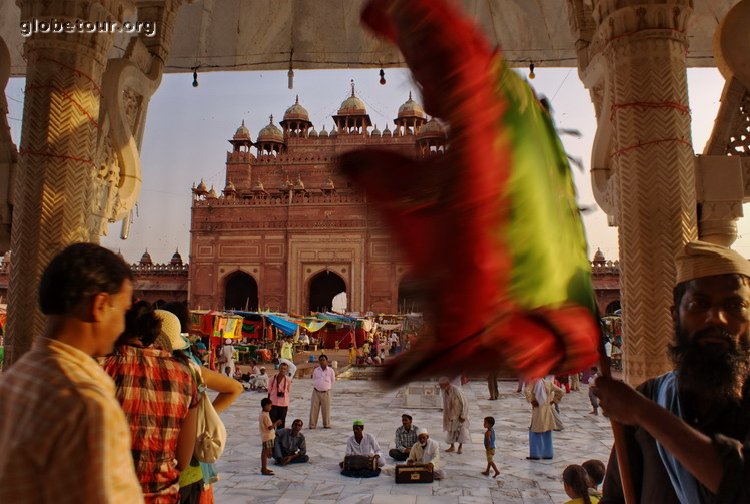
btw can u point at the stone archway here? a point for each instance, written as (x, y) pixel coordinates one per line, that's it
(240, 292)
(322, 288)
(410, 296)
(612, 307)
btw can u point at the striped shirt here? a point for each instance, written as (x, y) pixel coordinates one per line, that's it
(63, 436)
(155, 391)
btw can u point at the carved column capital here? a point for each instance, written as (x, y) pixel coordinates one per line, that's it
(93, 45)
(720, 193)
(163, 14)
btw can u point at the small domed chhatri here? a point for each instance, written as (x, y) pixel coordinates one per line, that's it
(432, 129)
(352, 105)
(201, 189)
(242, 132)
(410, 118)
(229, 189)
(599, 257)
(352, 117)
(410, 108)
(432, 138)
(270, 133)
(296, 112)
(146, 258)
(296, 120)
(176, 258)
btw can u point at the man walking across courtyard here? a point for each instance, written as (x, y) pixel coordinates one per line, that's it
(455, 415)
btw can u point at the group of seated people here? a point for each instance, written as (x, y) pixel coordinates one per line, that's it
(412, 445)
(253, 379)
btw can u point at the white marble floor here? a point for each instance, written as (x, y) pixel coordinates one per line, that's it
(521, 481)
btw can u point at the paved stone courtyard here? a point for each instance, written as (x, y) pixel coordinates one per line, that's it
(520, 481)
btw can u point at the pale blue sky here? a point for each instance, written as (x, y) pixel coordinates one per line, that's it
(187, 130)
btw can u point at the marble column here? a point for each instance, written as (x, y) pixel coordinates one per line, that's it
(632, 57)
(57, 164)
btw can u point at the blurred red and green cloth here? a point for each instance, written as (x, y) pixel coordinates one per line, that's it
(491, 227)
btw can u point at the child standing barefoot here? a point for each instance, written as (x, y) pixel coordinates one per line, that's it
(489, 445)
(575, 481)
(267, 435)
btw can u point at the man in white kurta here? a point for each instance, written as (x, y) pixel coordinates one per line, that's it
(455, 415)
(360, 443)
(426, 451)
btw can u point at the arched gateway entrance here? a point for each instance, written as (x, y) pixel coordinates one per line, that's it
(410, 296)
(323, 287)
(241, 292)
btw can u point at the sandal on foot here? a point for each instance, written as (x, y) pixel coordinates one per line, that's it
(266, 472)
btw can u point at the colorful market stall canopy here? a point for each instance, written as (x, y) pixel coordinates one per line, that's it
(250, 325)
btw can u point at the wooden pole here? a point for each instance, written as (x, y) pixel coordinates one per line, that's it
(618, 431)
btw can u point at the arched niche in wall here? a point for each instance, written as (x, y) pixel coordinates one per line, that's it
(240, 292)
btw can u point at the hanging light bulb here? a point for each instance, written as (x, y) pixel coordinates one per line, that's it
(290, 73)
(195, 77)
(532, 75)
(382, 77)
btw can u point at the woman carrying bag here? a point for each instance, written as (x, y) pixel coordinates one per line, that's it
(196, 478)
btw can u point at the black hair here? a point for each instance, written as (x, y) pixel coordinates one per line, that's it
(140, 323)
(264, 402)
(80, 271)
(575, 477)
(298, 420)
(406, 416)
(180, 310)
(596, 470)
(323, 356)
(490, 420)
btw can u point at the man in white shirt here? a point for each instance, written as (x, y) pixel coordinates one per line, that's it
(363, 444)
(426, 451)
(323, 378)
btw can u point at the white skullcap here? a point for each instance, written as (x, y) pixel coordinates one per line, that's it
(699, 259)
